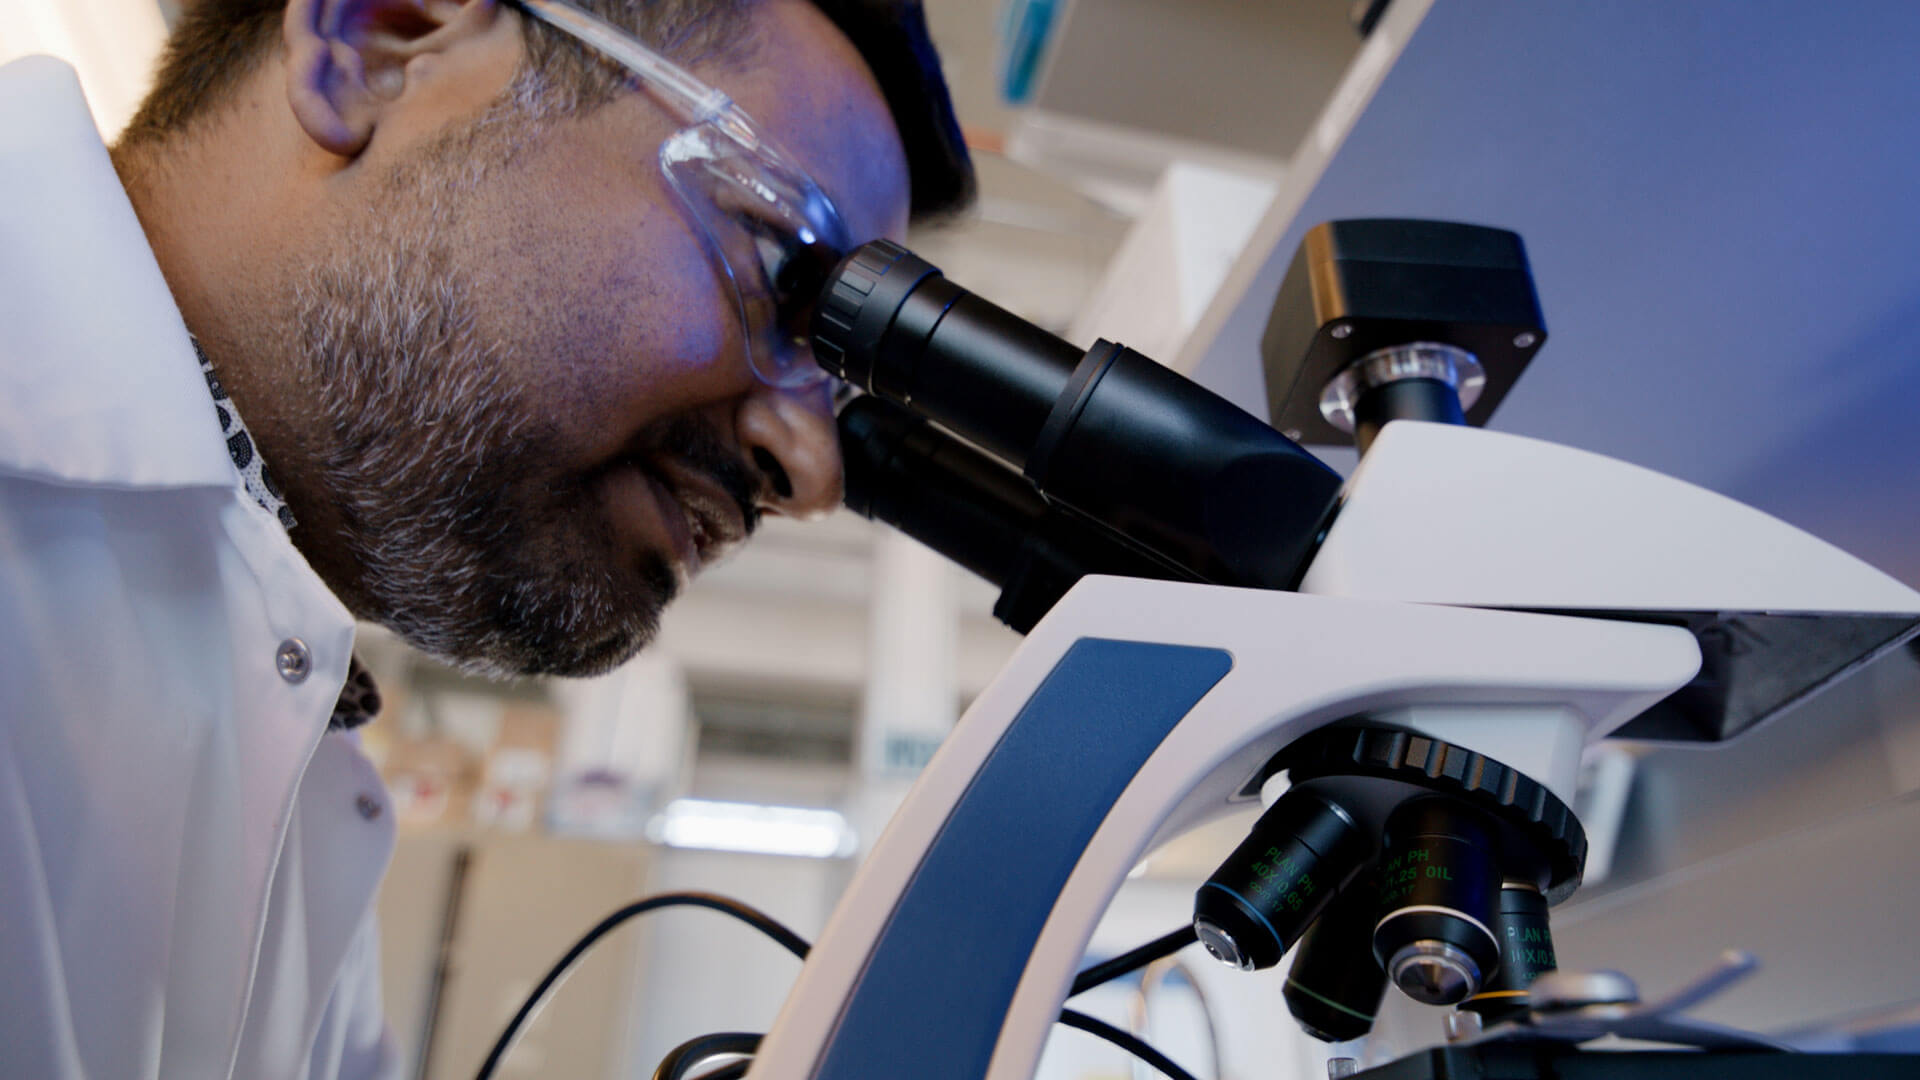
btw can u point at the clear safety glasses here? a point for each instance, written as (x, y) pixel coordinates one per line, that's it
(772, 232)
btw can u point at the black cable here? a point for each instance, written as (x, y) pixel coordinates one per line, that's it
(690, 1053)
(694, 1051)
(1109, 970)
(1081, 1021)
(753, 917)
(1132, 1044)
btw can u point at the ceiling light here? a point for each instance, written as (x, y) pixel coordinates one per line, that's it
(749, 827)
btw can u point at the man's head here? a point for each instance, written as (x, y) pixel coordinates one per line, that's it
(430, 249)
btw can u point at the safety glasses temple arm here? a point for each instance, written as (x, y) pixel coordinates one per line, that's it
(694, 101)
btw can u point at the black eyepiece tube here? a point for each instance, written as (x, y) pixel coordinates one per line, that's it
(1173, 468)
(993, 378)
(903, 471)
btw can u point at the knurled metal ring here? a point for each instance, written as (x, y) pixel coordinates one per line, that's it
(1409, 757)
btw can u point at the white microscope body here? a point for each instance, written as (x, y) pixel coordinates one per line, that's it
(1472, 589)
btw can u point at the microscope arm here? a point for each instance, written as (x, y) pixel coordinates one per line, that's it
(1442, 514)
(1133, 712)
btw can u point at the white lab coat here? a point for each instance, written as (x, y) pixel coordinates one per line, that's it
(187, 859)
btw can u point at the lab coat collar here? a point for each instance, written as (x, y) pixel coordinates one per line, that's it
(98, 381)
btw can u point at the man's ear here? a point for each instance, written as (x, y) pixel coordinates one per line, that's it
(347, 59)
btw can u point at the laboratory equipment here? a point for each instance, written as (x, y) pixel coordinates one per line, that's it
(1405, 667)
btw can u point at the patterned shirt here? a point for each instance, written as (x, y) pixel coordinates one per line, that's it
(359, 698)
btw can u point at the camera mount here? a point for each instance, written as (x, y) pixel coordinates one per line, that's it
(1396, 319)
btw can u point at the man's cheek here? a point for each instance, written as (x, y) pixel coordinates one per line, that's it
(683, 320)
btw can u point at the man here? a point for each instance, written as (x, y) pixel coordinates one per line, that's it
(379, 307)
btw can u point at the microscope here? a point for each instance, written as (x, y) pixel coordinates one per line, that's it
(1403, 668)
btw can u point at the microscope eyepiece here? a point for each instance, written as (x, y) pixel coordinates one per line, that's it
(901, 471)
(904, 472)
(890, 324)
(1130, 447)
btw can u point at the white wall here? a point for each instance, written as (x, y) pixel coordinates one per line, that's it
(706, 972)
(112, 43)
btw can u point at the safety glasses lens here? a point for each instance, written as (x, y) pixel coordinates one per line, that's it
(773, 234)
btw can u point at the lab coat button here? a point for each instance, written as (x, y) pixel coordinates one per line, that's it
(293, 660)
(368, 806)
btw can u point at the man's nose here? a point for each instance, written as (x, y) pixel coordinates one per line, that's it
(790, 437)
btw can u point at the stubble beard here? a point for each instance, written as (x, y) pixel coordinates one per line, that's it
(462, 539)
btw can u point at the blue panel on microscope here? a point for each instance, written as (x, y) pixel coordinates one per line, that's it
(934, 994)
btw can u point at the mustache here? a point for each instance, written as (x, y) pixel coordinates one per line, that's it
(698, 446)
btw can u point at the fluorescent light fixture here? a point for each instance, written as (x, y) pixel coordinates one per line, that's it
(748, 827)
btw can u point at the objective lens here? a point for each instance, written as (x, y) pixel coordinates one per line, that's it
(1335, 986)
(1439, 890)
(1277, 881)
(1526, 953)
